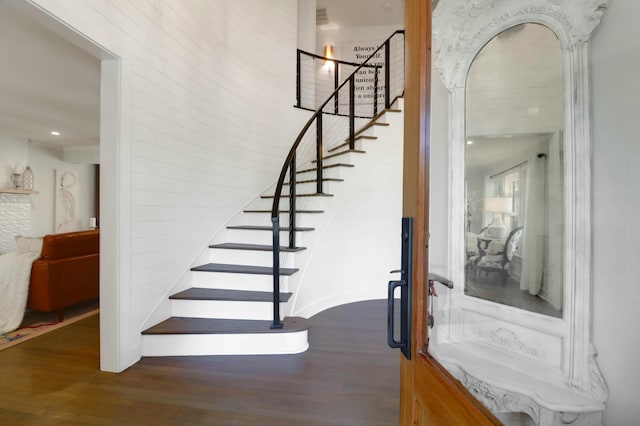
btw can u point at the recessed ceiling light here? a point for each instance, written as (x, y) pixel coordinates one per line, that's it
(469, 142)
(54, 133)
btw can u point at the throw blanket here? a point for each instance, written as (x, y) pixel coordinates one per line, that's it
(15, 271)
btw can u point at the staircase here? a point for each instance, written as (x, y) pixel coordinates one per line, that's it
(228, 309)
(229, 306)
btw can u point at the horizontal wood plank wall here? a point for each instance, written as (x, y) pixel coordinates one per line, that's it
(207, 95)
(348, 377)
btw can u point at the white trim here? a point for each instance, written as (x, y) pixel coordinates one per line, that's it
(115, 354)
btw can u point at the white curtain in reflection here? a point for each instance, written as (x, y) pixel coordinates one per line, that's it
(552, 287)
(534, 227)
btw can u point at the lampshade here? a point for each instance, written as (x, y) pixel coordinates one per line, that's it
(498, 204)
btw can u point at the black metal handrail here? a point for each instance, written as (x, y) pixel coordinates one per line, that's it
(337, 63)
(290, 162)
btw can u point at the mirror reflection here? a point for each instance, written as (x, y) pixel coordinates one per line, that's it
(514, 173)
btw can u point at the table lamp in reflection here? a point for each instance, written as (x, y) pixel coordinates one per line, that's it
(498, 206)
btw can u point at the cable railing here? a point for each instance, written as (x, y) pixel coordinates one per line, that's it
(368, 89)
(318, 77)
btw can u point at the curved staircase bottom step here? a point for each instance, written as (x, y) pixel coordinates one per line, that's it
(201, 336)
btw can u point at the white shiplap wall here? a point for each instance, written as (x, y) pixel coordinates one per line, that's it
(208, 88)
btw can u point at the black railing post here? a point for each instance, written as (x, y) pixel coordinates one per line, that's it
(375, 92)
(276, 273)
(336, 83)
(319, 154)
(387, 74)
(292, 203)
(352, 112)
(298, 78)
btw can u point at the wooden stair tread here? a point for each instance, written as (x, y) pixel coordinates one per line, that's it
(337, 154)
(197, 293)
(267, 228)
(359, 134)
(355, 139)
(315, 194)
(284, 211)
(330, 166)
(242, 269)
(255, 247)
(181, 325)
(314, 180)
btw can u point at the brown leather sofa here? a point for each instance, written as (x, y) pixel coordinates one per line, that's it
(67, 273)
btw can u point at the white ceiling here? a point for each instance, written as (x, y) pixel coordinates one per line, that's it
(46, 84)
(360, 13)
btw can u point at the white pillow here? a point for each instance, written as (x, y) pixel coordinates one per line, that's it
(495, 247)
(29, 244)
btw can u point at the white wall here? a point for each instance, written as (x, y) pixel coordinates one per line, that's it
(13, 151)
(338, 36)
(616, 203)
(205, 123)
(307, 25)
(43, 161)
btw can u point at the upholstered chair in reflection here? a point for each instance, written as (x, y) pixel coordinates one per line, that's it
(497, 255)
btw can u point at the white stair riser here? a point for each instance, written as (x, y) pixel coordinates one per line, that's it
(359, 145)
(301, 188)
(224, 309)
(306, 220)
(349, 158)
(310, 187)
(227, 281)
(261, 237)
(225, 344)
(250, 257)
(308, 203)
(333, 172)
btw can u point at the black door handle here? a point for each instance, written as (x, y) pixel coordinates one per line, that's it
(391, 341)
(405, 294)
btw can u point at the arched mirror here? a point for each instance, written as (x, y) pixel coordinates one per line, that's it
(514, 117)
(515, 329)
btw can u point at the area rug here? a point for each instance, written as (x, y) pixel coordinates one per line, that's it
(38, 323)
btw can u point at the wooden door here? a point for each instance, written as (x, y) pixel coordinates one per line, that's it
(429, 395)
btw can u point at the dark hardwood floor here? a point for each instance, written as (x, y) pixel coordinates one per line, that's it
(348, 377)
(489, 287)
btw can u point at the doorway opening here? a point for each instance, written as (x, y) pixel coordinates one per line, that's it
(92, 133)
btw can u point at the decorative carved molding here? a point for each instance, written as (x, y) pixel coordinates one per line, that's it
(599, 389)
(508, 339)
(498, 400)
(462, 27)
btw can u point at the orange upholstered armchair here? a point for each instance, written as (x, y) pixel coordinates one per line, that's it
(67, 273)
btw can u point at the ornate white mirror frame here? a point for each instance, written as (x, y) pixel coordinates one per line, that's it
(515, 360)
